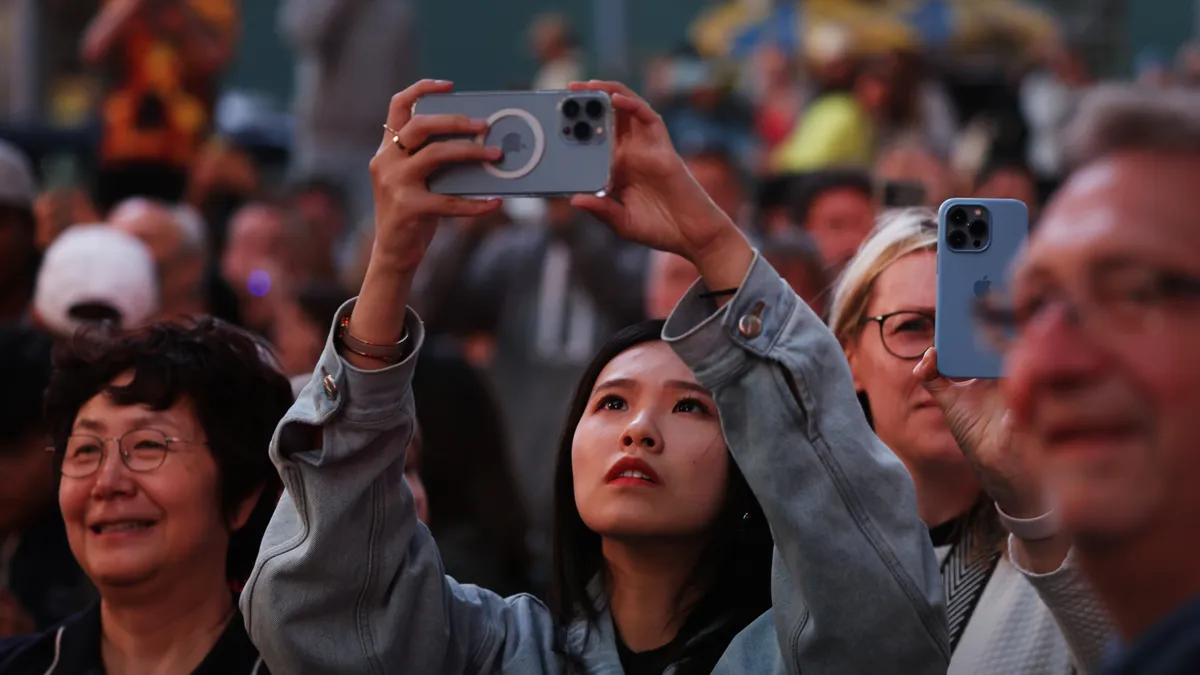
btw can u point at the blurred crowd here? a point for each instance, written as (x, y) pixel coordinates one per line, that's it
(802, 148)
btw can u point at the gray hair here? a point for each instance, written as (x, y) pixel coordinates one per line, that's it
(1116, 118)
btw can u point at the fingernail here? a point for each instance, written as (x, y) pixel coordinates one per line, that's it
(495, 153)
(442, 82)
(479, 123)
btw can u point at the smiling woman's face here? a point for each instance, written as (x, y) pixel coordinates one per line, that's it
(648, 455)
(128, 528)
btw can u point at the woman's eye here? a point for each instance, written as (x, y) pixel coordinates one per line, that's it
(611, 402)
(690, 405)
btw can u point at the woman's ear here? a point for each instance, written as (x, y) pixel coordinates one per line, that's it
(854, 359)
(242, 514)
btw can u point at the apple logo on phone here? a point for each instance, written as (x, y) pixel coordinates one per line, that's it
(511, 143)
(982, 287)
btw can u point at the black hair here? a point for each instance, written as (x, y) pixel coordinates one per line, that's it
(815, 184)
(1004, 162)
(461, 426)
(738, 553)
(25, 361)
(238, 396)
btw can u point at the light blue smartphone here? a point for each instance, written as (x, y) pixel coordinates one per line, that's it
(977, 242)
(555, 143)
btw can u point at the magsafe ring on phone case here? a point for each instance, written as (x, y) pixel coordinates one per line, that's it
(514, 143)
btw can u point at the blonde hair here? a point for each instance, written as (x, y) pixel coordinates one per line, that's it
(897, 234)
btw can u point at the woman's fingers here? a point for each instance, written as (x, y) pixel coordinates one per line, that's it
(635, 106)
(421, 128)
(446, 206)
(607, 209)
(400, 109)
(438, 154)
(610, 88)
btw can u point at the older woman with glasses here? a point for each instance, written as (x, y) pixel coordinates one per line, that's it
(161, 438)
(1015, 602)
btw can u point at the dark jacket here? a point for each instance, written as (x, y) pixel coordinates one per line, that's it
(44, 577)
(1170, 647)
(73, 648)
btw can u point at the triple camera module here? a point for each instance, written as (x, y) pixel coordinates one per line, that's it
(583, 119)
(969, 228)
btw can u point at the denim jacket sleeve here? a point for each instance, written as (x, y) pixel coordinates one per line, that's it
(347, 580)
(856, 587)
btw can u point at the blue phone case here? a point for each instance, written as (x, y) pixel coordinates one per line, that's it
(541, 159)
(964, 276)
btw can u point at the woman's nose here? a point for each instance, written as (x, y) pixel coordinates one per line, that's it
(643, 433)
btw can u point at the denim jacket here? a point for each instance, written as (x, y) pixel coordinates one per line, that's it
(347, 580)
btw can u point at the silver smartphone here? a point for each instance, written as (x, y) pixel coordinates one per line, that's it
(554, 142)
(977, 242)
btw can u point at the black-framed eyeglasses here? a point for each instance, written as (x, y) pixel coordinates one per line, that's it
(1121, 299)
(141, 451)
(905, 334)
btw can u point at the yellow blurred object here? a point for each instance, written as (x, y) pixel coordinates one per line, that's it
(713, 31)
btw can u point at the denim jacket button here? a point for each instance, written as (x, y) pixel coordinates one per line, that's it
(330, 386)
(750, 326)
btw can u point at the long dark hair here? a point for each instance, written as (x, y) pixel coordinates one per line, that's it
(737, 557)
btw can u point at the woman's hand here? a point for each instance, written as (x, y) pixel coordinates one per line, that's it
(653, 199)
(406, 212)
(979, 423)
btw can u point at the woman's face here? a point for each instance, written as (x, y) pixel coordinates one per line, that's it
(129, 529)
(648, 455)
(906, 418)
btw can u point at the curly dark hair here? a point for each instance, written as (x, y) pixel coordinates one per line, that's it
(238, 395)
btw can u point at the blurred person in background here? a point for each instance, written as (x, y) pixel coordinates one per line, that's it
(779, 98)
(1048, 98)
(60, 208)
(548, 293)
(161, 437)
(909, 159)
(1152, 69)
(165, 58)
(224, 178)
(840, 127)
(474, 506)
(1103, 375)
(40, 582)
(1003, 178)
(258, 262)
(95, 275)
(321, 210)
(705, 114)
(352, 55)
(178, 246)
(299, 331)
(836, 209)
(798, 260)
(19, 256)
(554, 46)
(773, 204)
(1015, 607)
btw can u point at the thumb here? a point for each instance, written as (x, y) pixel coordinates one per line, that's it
(927, 372)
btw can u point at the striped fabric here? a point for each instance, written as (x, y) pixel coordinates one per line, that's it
(965, 573)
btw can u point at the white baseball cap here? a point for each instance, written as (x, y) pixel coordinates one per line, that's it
(95, 265)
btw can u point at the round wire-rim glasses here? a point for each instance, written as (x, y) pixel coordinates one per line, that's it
(141, 451)
(905, 334)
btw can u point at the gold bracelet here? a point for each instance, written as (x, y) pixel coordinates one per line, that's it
(388, 353)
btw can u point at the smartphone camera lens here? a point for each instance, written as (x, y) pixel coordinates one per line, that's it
(583, 131)
(978, 229)
(570, 108)
(958, 216)
(957, 239)
(594, 109)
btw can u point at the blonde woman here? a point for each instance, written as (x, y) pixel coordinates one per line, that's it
(1015, 606)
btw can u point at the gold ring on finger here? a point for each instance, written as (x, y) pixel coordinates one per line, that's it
(396, 139)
